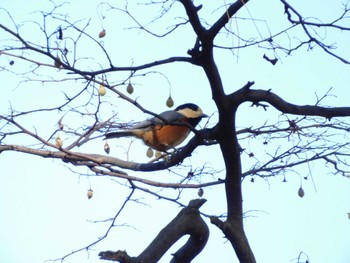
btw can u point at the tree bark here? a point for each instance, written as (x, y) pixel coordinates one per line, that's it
(187, 222)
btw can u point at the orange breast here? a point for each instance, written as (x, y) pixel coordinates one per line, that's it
(165, 137)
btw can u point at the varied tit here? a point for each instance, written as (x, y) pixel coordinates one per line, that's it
(161, 135)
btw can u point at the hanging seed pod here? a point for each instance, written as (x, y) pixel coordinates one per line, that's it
(59, 142)
(149, 152)
(102, 90)
(106, 148)
(200, 192)
(102, 34)
(90, 193)
(158, 154)
(301, 192)
(58, 63)
(130, 88)
(169, 102)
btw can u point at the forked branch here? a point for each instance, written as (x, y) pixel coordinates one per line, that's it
(257, 96)
(187, 222)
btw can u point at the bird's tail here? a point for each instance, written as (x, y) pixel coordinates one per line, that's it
(119, 134)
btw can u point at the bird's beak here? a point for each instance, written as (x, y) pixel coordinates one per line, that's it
(204, 116)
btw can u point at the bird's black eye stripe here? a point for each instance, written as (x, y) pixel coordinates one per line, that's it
(191, 106)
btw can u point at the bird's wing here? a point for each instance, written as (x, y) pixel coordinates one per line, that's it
(169, 116)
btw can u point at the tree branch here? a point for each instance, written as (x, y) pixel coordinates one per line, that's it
(225, 18)
(301, 21)
(187, 222)
(192, 13)
(103, 165)
(235, 234)
(257, 96)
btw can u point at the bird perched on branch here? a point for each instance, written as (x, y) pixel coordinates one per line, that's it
(166, 131)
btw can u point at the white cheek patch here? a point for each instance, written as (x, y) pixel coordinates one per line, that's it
(189, 113)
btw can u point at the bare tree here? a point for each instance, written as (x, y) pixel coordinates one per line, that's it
(54, 57)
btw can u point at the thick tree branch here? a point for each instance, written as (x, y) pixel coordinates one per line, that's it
(187, 222)
(225, 18)
(233, 226)
(101, 164)
(69, 156)
(192, 13)
(235, 234)
(258, 96)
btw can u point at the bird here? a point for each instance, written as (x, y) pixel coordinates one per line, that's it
(166, 132)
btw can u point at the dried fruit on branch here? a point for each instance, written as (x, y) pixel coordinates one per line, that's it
(149, 152)
(301, 192)
(107, 148)
(169, 102)
(130, 88)
(102, 90)
(102, 34)
(59, 142)
(90, 193)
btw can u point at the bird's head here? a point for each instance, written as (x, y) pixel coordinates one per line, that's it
(192, 112)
